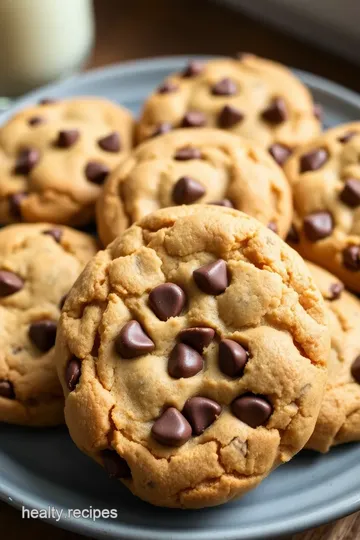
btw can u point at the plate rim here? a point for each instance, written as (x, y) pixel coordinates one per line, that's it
(340, 508)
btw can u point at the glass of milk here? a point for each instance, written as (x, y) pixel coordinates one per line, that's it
(41, 41)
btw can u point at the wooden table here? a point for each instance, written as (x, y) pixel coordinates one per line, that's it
(146, 28)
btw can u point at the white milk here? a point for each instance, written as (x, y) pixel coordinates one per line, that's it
(42, 40)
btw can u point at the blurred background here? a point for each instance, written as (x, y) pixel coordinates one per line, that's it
(41, 41)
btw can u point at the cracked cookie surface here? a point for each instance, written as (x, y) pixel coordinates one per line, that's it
(192, 354)
(250, 96)
(339, 418)
(54, 156)
(38, 265)
(188, 166)
(325, 178)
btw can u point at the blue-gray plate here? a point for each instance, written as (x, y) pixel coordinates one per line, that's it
(42, 468)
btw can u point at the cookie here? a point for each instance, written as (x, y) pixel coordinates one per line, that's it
(193, 165)
(192, 354)
(339, 418)
(250, 96)
(55, 156)
(38, 265)
(325, 177)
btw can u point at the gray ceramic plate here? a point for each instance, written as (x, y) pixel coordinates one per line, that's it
(43, 468)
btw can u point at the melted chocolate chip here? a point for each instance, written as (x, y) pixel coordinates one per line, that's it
(201, 412)
(172, 428)
(318, 225)
(96, 172)
(252, 409)
(184, 362)
(350, 194)
(167, 300)
(229, 116)
(43, 334)
(197, 337)
(212, 278)
(73, 373)
(132, 341)
(110, 143)
(187, 191)
(10, 283)
(67, 138)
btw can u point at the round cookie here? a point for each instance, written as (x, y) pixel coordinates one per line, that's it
(192, 354)
(193, 165)
(339, 418)
(325, 178)
(55, 156)
(250, 96)
(38, 265)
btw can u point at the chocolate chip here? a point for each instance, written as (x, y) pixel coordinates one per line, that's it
(15, 201)
(47, 101)
(62, 301)
(67, 138)
(280, 153)
(276, 113)
(229, 116)
(55, 233)
(96, 172)
(318, 111)
(184, 362)
(26, 160)
(43, 334)
(212, 278)
(201, 412)
(224, 202)
(197, 337)
(194, 119)
(232, 358)
(186, 153)
(350, 195)
(167, 88)
(10, 283)
(132, 341)
(335, 290)
(293, 235)
(318, 225)
(161, 129)
(73, 373)
(193, 69)
(36, 120)
(314, 160)
(273, 227)
(172, 428)
(225, 87)
(110, 143)
(355, 369)
(6, 389)
(351, 258)
(347, 136)
(115, 465)
(252, 410)
(167, 300)
(187, 190)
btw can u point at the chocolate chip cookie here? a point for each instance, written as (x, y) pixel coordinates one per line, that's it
(192, 354)
(325, 177)
(191, 165)
(250, 96)
(339, 418)
(38, 265)
(55, 156)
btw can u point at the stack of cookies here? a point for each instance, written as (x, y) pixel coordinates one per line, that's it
(198, 351)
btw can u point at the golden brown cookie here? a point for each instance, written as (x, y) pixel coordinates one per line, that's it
(325, 177)
(55, 156)
(339, 418)
(192, 354)
(38, 265)
(193, 165)
(250, 96)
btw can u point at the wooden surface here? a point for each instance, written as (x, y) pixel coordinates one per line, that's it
(146, 28)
